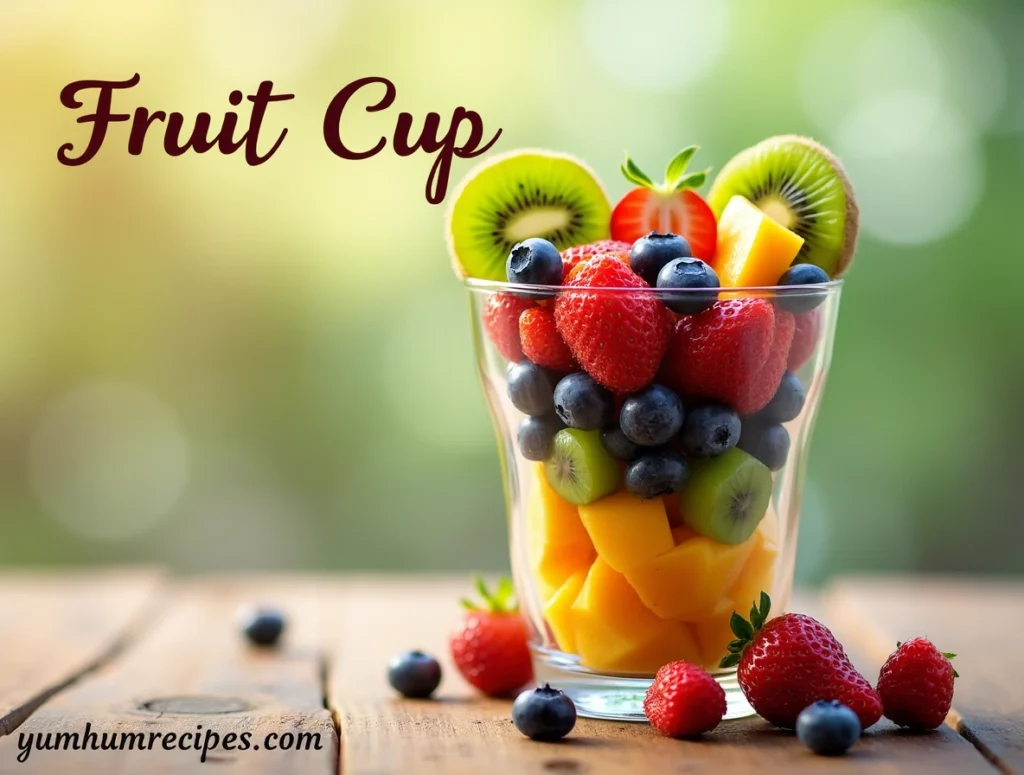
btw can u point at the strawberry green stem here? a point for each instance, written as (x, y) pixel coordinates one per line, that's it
(501, 601)
(676, 177)
(745, 631)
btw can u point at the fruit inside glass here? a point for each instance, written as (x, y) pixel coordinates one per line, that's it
(628, 556)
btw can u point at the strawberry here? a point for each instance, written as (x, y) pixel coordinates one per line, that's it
(618, 338)
(668, 207)
(791, 661)
(490, 645)
(805, 339)
(684, 700)
(541, 341)
(574, 255)
(916, 685)
(729, 353)
(501, 322)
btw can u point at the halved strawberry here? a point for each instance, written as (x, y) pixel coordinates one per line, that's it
(668, 207)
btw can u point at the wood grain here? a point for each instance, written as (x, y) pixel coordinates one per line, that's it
(461, 733)
(58, 627)
(192, 660)
(982, 622)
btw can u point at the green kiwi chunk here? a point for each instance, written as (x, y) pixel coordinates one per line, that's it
(727, 496)
(518, 195)
(804, 187)
(579, 469)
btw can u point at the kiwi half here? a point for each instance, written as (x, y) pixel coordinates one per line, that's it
(518, 195)
(804, 187)
(579, 469)
(727, 497)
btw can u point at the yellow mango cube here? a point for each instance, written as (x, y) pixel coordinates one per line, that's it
(558, 611)
(692, 580)
(609, 620)
(673, 642)
(626, 530)
(558, 544)
(758, 572)
(753, 248)
(713, 635)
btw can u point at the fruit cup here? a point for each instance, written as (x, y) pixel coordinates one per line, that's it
(653, 470)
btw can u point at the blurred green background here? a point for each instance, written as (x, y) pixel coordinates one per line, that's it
(219, 367)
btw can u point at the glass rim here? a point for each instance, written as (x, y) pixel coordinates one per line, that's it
(521, 289)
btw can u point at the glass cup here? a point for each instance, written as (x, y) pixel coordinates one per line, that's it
(615, 585)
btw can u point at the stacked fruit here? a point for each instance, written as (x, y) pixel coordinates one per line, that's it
(654, 392)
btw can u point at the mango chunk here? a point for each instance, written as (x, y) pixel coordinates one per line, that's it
(692, 580)
(558, 544)
(758, 571)
(753, 248)
(558, 611)
(626, 530)
(673, 642)
(713, 635)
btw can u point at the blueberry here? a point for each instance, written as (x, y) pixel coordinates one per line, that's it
(769, 443)
(799, 302)
(787, 402)
(687, 274)
(531, 388)
(544, 714)
(709, 430)
(652, 416)
(582, 403)
(414, 674)
(618, 445)
(536, 436)
(658, 472)
(263, 626)
(534, 261)
(649, 254)
(827, 727)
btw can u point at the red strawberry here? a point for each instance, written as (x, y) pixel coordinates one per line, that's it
(684, 700)
(618, 338)
(805, 339)
(501, 322)
(791, 661)
(723, 353)
(574, 255)
(916, 685)
(667, 207)
(490, 646)
(541, 341)
(761, 390)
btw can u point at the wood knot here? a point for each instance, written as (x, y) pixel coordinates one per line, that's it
(199, 705)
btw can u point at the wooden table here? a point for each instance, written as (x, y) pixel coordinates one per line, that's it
(133, 651)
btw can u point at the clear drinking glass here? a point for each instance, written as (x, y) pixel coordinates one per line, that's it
(599, 633)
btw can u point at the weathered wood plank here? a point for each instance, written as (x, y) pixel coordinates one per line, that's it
(59, 626)
(980, 621)
(192, 674)
(462, 733)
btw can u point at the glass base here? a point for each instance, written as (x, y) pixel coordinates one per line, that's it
(612, 697)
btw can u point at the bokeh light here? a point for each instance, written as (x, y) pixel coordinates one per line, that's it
(109, 460)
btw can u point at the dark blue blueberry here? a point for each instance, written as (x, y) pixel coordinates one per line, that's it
(534, 261)
(536, 436)
(531, 388)
(414, 674)
(582, 403)
(769, 443)
(828, 727)
(658, 472)
(544, 714)
(652, 416)
(709, 430)
(263, 626)
(688, 274)
(787, 402)
(804, 300)
(618, 445)
(649, 254)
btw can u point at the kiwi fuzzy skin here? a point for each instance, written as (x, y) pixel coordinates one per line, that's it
(490, 161)
(852, 211)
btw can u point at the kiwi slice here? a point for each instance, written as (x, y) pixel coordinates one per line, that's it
(803, 186)
(518, 195)
(727, 496)
(580, 469)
